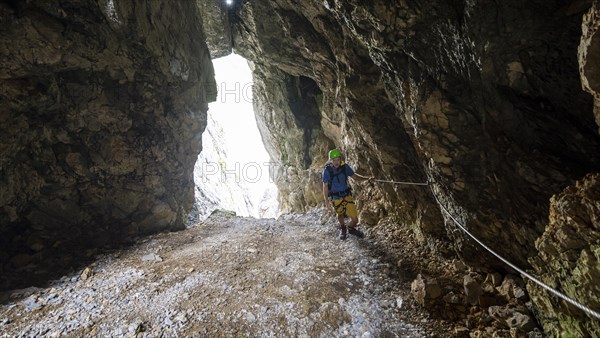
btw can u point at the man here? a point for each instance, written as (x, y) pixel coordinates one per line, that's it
(337, 193)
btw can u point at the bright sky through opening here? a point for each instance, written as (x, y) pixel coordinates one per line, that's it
(234, 166)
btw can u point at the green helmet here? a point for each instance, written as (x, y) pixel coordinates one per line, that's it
(334, 153)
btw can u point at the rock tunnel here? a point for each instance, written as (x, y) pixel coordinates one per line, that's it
(103, 104)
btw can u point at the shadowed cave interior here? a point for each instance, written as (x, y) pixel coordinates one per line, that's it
(103, 105)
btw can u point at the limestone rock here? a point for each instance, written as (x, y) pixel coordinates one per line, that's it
(452, 298)
(458, 97)
(495, 279)
(103, 106)
(522, 322)
(569, 252)
(424, 289)
(86, 273)
(472, 289)
(589, 56)
(512, 287)
(216, 26)
(399, 88)
(458, 265)
(510, 318)
(151, 257)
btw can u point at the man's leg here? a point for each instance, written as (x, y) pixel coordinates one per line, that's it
(342, 226)
(340, 216)
(352, 228)
(351, 212)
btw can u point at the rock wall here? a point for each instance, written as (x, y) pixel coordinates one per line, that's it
(483, 99)
(316, 87)
(289, 120)
(569, 260)
(569, 249)
(103, 104)
(589, 54)
(217, 28)
(102, 108)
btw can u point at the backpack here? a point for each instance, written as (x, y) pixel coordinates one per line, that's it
(329, 168)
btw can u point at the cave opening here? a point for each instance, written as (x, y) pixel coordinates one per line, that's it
(234, 171)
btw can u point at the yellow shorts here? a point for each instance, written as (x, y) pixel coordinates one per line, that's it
(345, 206)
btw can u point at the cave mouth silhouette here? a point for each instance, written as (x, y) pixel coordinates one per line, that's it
(233, 171)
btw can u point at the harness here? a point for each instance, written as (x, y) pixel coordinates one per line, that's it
(343, 204)
(343, 193)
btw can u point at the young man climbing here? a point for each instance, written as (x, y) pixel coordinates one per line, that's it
(337, 192)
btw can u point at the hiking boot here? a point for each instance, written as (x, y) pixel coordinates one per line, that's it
(356, 232)
(343, 232)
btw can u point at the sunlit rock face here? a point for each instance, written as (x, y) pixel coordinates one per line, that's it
(216, 26)
(289, 120)
(103, 106)
(482, 99)
(569, 258)
(589, 56)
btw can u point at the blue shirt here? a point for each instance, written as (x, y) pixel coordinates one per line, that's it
(338, 181)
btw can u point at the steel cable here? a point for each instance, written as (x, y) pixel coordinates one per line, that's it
(573, 302)
(405, 183)
(557, 293)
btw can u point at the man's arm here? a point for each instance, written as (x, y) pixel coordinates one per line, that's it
(326, 196)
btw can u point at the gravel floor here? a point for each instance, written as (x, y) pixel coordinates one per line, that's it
(228, 276)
